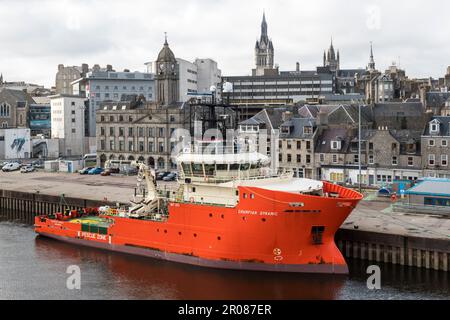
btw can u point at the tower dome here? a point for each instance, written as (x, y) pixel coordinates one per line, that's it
(166, 55)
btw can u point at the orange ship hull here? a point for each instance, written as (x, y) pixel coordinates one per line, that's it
(264, 232)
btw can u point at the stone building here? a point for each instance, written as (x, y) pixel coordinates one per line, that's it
(296, 147)
(139, 131)
(435, 148)
(142, 130)
(66, 75)
(14, 106)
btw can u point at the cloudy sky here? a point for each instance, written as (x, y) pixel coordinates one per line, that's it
(37, 35)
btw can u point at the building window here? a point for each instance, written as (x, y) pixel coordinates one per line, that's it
(299, 145)
(150, 132)
(289, 158)
(410, 161)
(102, 119)
(141, 132)
(356, 158)
(322, 157)
(280, 144)
(111, 145)
(394, 161)
(431, 143)
(102, 145)
(130, 146)
(299, 158)
(121, 145)
(161, 132)
(74, 130)
(161, 147)
(335, 158)
(335, 145)
(141, 146)
(308, 145)
(431, 159)
(5, 110)
(370, 146)
(444, 160)
(444, 143)
(308, 158)
(289, 144)
(121, 132)
(111, 119)
(172, 118)
(102, 131)
(130, 132)
(151, 147)
(371, 159)
(280, 157)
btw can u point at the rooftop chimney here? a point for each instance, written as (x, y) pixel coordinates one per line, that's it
(297, 68)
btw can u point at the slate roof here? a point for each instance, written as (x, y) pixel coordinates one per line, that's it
(399, 115)
(15, 97)
(323, 144)
(437, 99)
(296, 128)
(444, 126)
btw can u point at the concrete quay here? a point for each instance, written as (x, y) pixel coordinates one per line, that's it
(372, 232)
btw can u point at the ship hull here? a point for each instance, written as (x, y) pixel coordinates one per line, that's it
(197, 261)
(265, 231)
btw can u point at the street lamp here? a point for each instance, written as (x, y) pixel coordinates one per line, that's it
(359, 146)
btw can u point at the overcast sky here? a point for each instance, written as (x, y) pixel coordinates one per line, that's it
(37, 35)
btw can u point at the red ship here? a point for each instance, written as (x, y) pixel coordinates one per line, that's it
(228, 212)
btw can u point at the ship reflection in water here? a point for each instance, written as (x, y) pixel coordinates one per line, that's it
(35, 268)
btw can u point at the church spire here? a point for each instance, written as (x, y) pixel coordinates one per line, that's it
(264, 26)
(372, 60)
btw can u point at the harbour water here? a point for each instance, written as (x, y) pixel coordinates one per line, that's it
(33, 267)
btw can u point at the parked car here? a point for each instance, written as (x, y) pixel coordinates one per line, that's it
(132, 171)
(110, 171)
(38, 164)
(95, 171)
(170, 177)
(12, 166)
(85, 170)
(27, 169)
(161, 175)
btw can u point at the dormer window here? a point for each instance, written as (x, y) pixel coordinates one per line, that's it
(285, 130)
(335, 145)
(434, 127)
(307, 130)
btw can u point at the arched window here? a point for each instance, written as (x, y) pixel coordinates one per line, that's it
(5, 110)
(130, 158)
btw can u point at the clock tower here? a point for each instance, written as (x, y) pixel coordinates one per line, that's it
(167, 77)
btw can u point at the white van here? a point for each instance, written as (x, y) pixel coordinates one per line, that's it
(13, 166)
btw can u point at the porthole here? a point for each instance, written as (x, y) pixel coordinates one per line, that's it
(195, 235)
(179, 233)
(165, 231)
(210, 215)
(222, 216)
(219, 238)
(263, 219)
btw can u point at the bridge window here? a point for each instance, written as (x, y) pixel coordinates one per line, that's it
(197, 169)
(210, 170)
(234, 167)
(186, 168)
(222, 167)
(245, 166)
